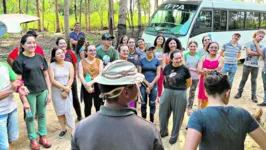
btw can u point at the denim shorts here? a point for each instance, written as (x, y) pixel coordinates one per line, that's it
(8, 129)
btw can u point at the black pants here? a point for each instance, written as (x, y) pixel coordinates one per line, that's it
(87, 97)
(75, 98)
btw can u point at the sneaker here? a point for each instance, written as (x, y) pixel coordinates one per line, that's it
(237, 96)
(262, 104)
(62, 134)
(172, 141)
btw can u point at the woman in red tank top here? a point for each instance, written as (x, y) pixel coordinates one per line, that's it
(208, 63)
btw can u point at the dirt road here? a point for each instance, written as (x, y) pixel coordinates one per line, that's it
(64, 144)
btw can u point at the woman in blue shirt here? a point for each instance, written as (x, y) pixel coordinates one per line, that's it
(149, 66)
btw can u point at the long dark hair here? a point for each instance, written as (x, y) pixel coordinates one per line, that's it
(58, 39)
(121, 39)
(81, 42)
(23, 40)
(166, 48)
(53, 54)
(155, 41)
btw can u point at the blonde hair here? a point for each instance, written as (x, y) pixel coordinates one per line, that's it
(261, 31)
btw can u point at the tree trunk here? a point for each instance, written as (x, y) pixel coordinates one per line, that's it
(4, 7)
(89, 18)
(43, 10)
(27, 11)
(155, 5)
(38, 14)
(110, 17)
(86, 15)
(139, 18)
(80, 12)
(122, 28)
(149, 11)
(75, 9)
(131, 15)
(57, 17)
(19, 6)
(66, 22)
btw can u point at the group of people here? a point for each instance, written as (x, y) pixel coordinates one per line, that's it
(121, 77)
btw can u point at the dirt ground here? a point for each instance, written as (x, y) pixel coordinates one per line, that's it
(64, 144)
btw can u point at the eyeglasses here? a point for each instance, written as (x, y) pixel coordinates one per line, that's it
(214, 48)
(92, 50)
(207, 39)
(149, 49)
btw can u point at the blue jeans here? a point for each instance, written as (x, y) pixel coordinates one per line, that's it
(8, 129)
(152, 100)
(230, 70)
(263, 75)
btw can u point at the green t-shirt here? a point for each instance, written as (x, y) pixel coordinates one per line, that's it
(107, 56)
(7, 75)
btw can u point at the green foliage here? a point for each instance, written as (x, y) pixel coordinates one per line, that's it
(99, 12)
(6, 36)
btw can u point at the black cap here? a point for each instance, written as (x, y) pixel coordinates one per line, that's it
(106, 36)
(32, 33)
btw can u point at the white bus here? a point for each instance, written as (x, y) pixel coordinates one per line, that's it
(192, 19)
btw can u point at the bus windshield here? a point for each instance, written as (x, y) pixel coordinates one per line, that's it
(172, 18)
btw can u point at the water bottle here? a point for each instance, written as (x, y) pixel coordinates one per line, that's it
(88, 78)
(29, 115)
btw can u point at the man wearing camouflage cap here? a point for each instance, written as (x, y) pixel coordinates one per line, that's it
(116, 126)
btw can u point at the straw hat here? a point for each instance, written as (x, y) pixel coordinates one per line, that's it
(120, 72)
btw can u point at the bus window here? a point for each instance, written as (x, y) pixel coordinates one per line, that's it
(172, 19)
(263, 20)
(203, 23)
(236, 20)
(220, 20)
(252, 20)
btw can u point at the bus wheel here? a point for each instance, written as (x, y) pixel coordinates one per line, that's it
(242, 60)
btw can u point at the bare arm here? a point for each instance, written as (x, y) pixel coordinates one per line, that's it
(10, 61)
(164, 60)
(221, 64)
(47, 80)
(81, 77)
(82, 54)
(259, 137)
(251, 53)
(259, 50)
(189, 82)
(238, 55)
(200, 70)
(71, 76)
(193, 139)
(222, 53)
(6, 93)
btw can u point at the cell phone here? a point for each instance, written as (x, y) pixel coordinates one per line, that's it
(29, 115)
